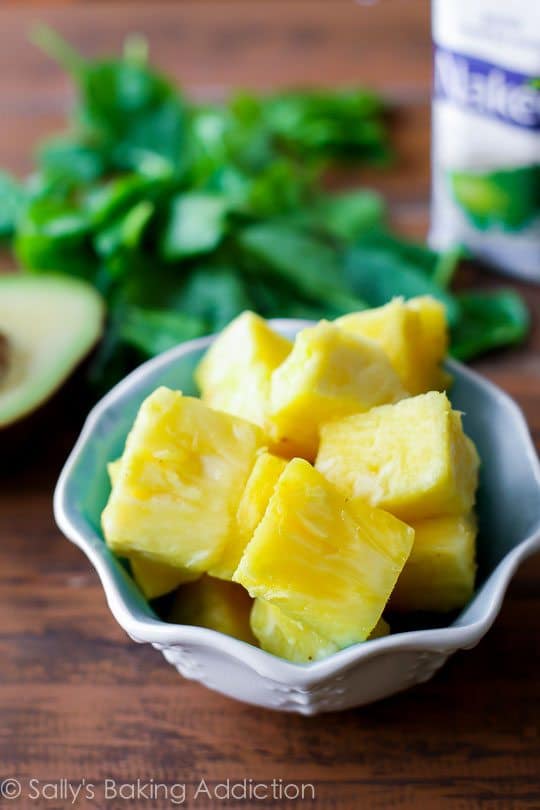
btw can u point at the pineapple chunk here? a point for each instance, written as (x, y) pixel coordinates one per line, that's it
(325, 561)
(411, 459)
(289, 638)
(258, 491)
(279, 634)
(113, 468)
(395, 328)
(328, 374)
(415, 352)
(434, 328)
(182, 475)
(234, 375)
(433, 345)
(154, 579)
(218, 605)
(439, 574)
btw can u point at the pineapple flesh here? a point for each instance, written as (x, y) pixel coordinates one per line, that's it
(433, 345)
(217, 605)
(433, 326)
(326, 561)
(414, 348)
(113, 469)
(412, 458)
(303, 559)
(153, 579)
(234, 375)
(439, 574)
(279, 634)
(182, 475)
(328, 374)
(257, 493)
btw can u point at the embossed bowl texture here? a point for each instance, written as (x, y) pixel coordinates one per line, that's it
(509, 520)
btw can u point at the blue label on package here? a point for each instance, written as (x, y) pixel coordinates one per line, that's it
(487, 89)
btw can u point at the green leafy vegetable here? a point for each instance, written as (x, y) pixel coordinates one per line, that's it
(12, 198)
(345, 124)
(488, 321)
(54, 235)
(184, 215)
(63, 160)
(128, 110)
(345, 216)
(302, 260)
(215, 295)
(125, 232)
(196, 224)
(154, 331)
(378, 272)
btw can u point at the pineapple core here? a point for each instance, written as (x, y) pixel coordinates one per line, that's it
(182, 475)
(328, 374)
(217, 605)
(258, 491)
(234, 375)
(281, 635)
(412, 458)
(412, 334)
(325, 561)
(439, 574)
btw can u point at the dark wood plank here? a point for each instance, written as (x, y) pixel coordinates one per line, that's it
(79, 699)
(212, 45)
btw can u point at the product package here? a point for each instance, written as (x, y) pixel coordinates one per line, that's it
(486, 131)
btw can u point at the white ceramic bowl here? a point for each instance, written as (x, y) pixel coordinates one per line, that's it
(509, 515)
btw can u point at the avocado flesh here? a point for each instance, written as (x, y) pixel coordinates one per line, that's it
(48, 324)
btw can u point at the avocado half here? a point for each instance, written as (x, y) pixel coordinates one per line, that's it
(48, 324)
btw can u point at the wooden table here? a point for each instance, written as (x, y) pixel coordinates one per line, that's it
(80, 700)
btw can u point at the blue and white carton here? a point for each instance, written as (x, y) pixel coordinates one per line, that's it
(486, 131)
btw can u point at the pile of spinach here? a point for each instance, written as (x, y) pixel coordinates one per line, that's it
(183, 215)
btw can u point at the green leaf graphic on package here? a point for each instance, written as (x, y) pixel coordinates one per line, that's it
(508, 198)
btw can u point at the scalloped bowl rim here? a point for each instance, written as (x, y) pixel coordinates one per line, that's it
(161, 634)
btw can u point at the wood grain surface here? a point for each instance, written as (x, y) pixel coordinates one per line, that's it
(79, 700)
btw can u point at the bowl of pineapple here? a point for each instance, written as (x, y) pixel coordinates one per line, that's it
(306, 517)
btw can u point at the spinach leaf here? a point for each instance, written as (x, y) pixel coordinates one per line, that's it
(197, 221)
(67, 160)
(345, 216)
(154, 331)
(378, 273)
(215, 295)
(488, 321)
(127, 109)
(105, 203)
(304, 261)
(342, 124)
(438, 266)
(12, 201)
(52, 235)
(125, 232)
